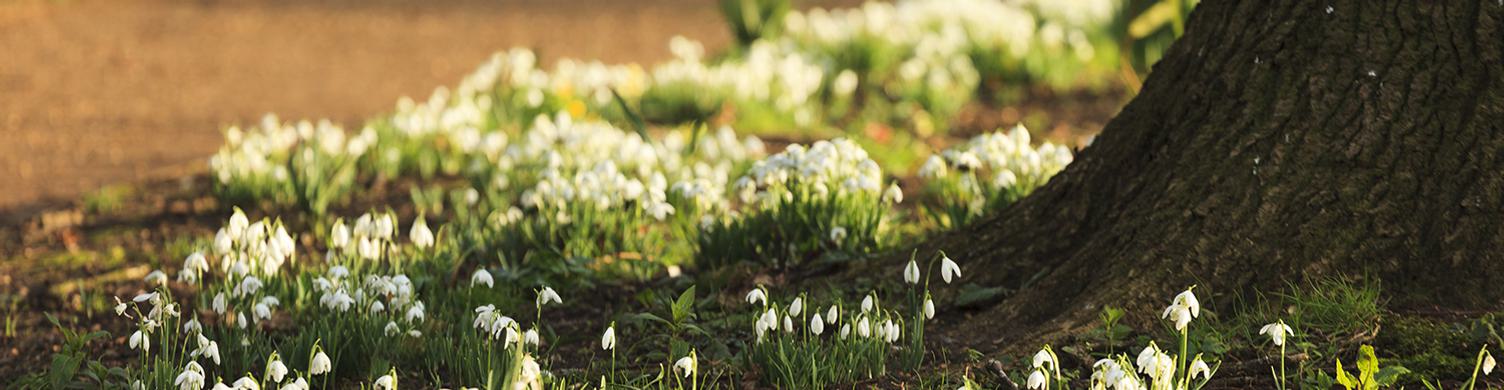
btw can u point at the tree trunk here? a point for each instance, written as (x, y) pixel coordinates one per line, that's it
(1273, 144)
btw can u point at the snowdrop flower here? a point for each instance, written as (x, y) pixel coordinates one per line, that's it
(893, 195)
(831, 315)
(796, 307)
(222, 386)
(415, 313)
(911, 273)
(138, 340)
(933, 167)
(481, 276)
(608, 340)
(223, 244)
(948, 268)
(157, 277)
(193, 266)
(120, 308)
(387, 382)
(298, 384)
(929, 308)
(1036, 380)
(276, 370)
(686, 365)
(867, 303)
(1044, 359)
(788, 324)
(191, 378)
(1488, 362)
(1199, 368)
(377, 307)
(863, 327)
(548, 294)
(1277, 332)
(530, 337)
(246, 383)
(238, 223)
(206, 348)
(838, 234)
(757, 295)
(1183, 309)
(320, 364)
(845, 331)
(339, 236)
(192, 326)
(816, 324)
(420, 235)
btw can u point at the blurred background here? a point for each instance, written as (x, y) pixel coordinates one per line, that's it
(99, 92)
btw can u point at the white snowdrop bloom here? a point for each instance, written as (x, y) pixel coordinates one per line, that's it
(223, 244)
(1277, 332)
(420, 235)
(193, 266)
(1183, 309)
(933, 167)
(949, 269)
(415, 313)
(157, 277)
(832, 315)
(863, 327)
(377, 307)
(893, 195)
(392, 329)
(845, 83)
(845, 331)
(386, 382)
(796, 307)
(838, 234)
(261, 311)
(1044, 360)
(120, 307)
(1200, 369)
(788, 324)
(320, 364)
(911, 272)
(192, 377)
(220, 303)
(816, 324)
(929, 308)
(481, 276)
(276, 370)
(1036, 380)
(757, 295)
(139, 341)
(530, 337)
(246, 383)
(1488, 363)
(222, 386)
(339, 235)
(192, 327)
(548, 294)
(248, 286)
(238, 223)
(608, 339)
(867, 303)
(686, 365)
(891, 331)
(206, 348)
(297, 384)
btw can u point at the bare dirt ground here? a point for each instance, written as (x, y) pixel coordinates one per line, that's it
(98, 92)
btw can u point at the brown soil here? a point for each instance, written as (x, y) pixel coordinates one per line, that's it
(100, 92)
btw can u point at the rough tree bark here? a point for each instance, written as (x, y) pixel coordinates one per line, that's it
(1272, 144)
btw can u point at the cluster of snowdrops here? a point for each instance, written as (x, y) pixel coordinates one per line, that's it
(615, 171)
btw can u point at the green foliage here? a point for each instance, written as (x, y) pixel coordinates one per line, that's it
(751, 20)
(73, 367)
